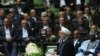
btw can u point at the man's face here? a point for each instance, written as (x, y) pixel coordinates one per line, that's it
(18, 2)
(86, 10)
(75, 34)
(45, 21)
(79, 14)
(33, 12)
(62, 34)
(68, 10)
(93, 28)
(24, 23)
(61, 20)
(26, 16)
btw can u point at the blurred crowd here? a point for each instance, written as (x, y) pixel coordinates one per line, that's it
(74, 25)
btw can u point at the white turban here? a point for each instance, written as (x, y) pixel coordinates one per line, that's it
(66, 31)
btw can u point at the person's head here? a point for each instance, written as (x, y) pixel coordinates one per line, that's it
(26, 16)
(49, 12)
(12, 11)
(2, 12)
(62, 20)
(33, 12)
(18, 2)
(45, 20)
(24, 23)
(10, 17)
(94, 28)
(43, 14)
(87, 10)
(61, 14)
(49, 31)
(68, 10)
(6, 22)
(64, 32)
(76, 34)
(79, 14)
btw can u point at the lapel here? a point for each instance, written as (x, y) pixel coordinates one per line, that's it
(5, 32)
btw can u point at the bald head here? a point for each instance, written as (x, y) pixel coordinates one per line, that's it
(94, 27)
(33, 12)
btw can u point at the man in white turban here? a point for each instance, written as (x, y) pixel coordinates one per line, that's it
(66, 47)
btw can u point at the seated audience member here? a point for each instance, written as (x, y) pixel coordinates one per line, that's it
(77, 40)
(24, 32)
(94, 30)
(8, 38)
(34, 16)
(88, 15)
(66, 47)
(80, 22)
(45, 23)
(31, 24)
(68, 14)
(88, 47)
(49, 36)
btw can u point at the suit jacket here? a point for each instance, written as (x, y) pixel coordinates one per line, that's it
(97, 50)
(78, 44)
(85, 24)
(67, 48)
(3, 36)
(20, 34)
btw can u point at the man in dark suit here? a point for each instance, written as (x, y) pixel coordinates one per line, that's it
(24, 35)
(7, 37)
(66, 47)
(35, 20)
(77, 40)
(68, 14)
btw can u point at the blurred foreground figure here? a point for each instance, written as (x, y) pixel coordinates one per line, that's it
(66, 47)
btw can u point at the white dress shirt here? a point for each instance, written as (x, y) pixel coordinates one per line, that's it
(68, 17)
(34, 18)
(75, 41)
(7, 33)
(62, 3)
(78, 2)
(19, 10)
(25, 33)
(45, 26)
